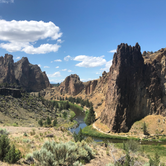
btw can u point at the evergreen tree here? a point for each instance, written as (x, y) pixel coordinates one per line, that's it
(90, 117)
(4, 146)
(7, 153)
(60, 107)
(13, 155)
(55, 122)
(67, 105)
(40, 122)
(65, 115)
(145, 131)
(78, 137)
(48, 120)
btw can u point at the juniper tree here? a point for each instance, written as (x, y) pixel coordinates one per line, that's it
(55, 122)
(90, 117)
(48, 120)
(40, 122)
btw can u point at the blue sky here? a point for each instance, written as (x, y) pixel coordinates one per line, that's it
(78, 36)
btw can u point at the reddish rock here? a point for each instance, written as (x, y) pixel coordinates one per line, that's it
(90, 87)
(71, 85)
(7, 69)
(28, 76)
(134, 90)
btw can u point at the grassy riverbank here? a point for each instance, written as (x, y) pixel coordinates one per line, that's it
(90, 131)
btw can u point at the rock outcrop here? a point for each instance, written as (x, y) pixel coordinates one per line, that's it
(71, 85)
(11, 91)
(134, 89)
(90, 87)
(28, 76)
(7, 69)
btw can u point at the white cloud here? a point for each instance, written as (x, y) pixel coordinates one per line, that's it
(67, 58)
(69, 71)
(51, 61)
(39, 65)
(22, 35)
(57, 67)
(42, 49)
(97, 72)
(6, 1)
(59, 41)
(58, 60)
(89, 61)
(56, 80)
(56, 74)
(107, 66)
(64, 69)
(46, 67)
(18, 57)
(112, 51)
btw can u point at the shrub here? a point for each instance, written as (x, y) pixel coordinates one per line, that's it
(40, 122)
(154, 161)
(131, 145)
(3, 132)
(25, 134)
(65, 115)
(63, 153)
(32, 132)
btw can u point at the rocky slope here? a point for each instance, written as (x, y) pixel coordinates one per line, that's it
(28, 76)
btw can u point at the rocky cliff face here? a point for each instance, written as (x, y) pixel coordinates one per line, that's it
(71, 85)
(6, 69)
(90, 87)
(134, 89)
(28, 76)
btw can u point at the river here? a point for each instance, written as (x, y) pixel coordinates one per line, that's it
(79, 117)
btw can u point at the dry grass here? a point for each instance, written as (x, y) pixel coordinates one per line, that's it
(156, 124)
(101, 126)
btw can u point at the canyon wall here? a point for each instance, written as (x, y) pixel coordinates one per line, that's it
(134, 90)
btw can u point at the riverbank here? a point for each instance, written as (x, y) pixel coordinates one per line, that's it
(93, 131)
(90, 131)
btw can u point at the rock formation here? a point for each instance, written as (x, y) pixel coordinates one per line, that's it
(90, 87)
(11, 91)
(71, 85)
(134, 89)
(28, 76)
(7, 69)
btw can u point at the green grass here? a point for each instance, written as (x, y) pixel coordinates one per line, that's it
(72, 113)
(152, 149)
(77, 106)
(90, 131)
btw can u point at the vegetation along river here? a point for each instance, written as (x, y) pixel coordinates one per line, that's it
(79, 117)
